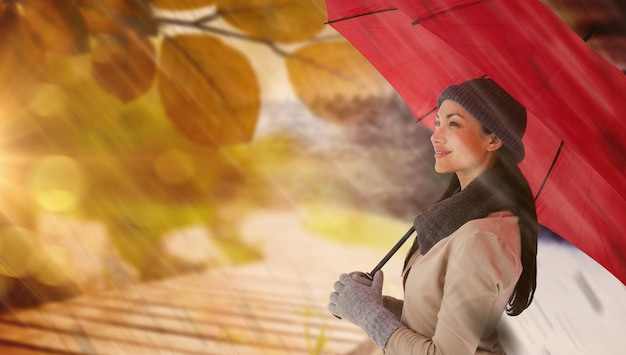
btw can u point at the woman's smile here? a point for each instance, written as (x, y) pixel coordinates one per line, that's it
(441, 153)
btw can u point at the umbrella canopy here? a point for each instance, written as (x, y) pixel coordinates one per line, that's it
(576, 134)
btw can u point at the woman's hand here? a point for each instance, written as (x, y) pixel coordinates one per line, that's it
(354, 293)
(362, 278)
(361, 302)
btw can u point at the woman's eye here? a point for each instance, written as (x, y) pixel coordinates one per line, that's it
(454, 124)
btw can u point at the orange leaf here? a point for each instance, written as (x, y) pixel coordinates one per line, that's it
(208, 89)
(285, 21)
(4, 7)
(111, 16)
(58, 24)
(125, 67)
(336, 82)
(21, 62)
(182, 5)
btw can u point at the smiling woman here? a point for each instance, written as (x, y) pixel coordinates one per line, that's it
(474, 256)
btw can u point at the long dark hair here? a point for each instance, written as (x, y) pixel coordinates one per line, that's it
(526, 212)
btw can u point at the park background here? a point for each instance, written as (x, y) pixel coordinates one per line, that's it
(231, 145)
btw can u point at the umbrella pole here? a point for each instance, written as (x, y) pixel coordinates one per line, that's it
(370, 275)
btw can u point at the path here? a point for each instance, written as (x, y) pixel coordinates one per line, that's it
(278, 306)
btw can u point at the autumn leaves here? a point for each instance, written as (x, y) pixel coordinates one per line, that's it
(208, 88)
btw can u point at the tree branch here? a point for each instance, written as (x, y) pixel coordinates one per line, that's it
(200, 24)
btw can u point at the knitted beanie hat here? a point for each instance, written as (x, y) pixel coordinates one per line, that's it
(498, 111)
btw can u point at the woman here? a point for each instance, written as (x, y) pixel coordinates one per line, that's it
(474, 256)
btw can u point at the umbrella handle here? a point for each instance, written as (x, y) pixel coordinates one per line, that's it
(370, 275)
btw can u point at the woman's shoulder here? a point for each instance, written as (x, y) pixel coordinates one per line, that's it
(499, 230)
(502, 224)
(493, 240)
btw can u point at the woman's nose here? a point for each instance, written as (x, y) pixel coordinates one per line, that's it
(435, 137)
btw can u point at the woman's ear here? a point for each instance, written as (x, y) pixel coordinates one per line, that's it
(494, 143)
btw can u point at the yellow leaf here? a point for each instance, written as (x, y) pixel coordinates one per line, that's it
(67, 70)
(284, 21)
(182, 5)
(58, 24)
(109, 16)
(208, 89)
(174, 167)
(125, 66)
(336, 82)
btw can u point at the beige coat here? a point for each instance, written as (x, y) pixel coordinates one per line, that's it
(455, 295)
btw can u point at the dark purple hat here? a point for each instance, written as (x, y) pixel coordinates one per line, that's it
(498, 111)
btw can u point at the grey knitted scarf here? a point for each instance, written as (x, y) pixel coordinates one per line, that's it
(489, 192)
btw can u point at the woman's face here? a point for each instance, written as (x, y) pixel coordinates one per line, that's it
(461, 146)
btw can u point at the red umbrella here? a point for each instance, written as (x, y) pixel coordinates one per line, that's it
(576, 100)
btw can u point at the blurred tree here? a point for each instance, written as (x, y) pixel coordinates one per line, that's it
(135, 113)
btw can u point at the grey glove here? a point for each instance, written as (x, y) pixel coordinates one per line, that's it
(362, 305)
(392, 304)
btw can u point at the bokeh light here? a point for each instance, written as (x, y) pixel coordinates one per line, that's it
(57, 183)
